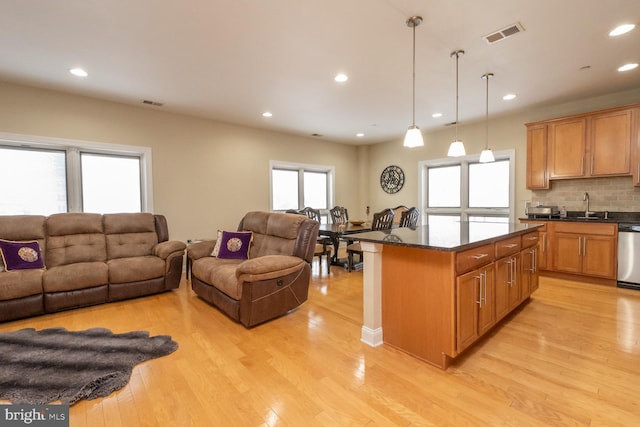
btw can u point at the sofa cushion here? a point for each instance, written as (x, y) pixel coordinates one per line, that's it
(20, 284)
(135, 269)
(75, 238)
(234, 244)
(273, 233)
(76, 276)
(220, 273)
(129, 235)
(20, 255)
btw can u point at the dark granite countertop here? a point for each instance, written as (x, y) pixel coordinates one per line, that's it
(611, 217)
(453, 237)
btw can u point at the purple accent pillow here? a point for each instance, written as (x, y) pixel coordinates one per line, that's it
(21, 255)
(235, 244)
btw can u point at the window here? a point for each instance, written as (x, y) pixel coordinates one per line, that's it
(463, 189)
(295, 186)
(73, 176)
(104, 191)
(35, 181)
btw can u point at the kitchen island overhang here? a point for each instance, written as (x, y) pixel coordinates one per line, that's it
(435, 291)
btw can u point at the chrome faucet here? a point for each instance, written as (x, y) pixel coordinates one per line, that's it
(586, 197)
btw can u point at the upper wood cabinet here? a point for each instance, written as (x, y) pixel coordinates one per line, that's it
(610, 143)
(537, 177)
(601, 143)
(567, 148)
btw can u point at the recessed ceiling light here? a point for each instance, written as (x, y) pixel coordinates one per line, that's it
(509, 97)
(267, 114)
(627, 67)
(341, 78)
(79, 72)
(360, 135)
(436, 115)
(621, 29)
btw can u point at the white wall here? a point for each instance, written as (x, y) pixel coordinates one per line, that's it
(206, 174)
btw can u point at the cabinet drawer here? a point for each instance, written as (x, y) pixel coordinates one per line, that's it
(507, 247)
(473, 258)
(582, 228)
(530, 239)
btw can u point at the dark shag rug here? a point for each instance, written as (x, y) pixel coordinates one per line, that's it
(39, 367)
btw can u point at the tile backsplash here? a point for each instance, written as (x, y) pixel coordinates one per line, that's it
(615, 194)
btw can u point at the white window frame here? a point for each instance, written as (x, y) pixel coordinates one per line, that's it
(73, 148)
(464, 211)
(301, 168)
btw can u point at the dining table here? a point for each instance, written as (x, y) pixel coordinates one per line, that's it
(337, 232)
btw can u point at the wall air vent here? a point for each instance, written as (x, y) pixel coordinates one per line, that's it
(504, 33)
(154, 103)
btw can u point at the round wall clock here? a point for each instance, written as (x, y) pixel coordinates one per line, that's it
(392, 179)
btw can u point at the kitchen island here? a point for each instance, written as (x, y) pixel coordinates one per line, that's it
(436, 290)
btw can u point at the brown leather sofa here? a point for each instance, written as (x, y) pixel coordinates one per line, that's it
(89, 259)
(271, 282)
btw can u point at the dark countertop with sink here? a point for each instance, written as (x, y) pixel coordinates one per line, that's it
(598, 216)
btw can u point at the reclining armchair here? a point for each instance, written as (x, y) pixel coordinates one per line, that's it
(274, 278)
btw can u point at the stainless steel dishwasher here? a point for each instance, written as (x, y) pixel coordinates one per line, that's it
(629, 256)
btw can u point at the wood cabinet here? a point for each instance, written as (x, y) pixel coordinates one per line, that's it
(567, 148)
(507, 287)
(635, 145)
(529, 272)
(475, 313)
(537, 178)
(596, 144)
(610, 143)
(587, 249)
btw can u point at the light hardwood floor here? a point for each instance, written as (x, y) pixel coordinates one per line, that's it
(570, 356)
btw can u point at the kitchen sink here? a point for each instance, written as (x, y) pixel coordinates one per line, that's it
(588, 217)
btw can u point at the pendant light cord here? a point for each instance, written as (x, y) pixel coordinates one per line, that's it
(457, 56)
(413, 122)
(486, 115)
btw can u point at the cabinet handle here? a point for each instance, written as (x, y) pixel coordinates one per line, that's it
(515, 269)
(582, 165)
(479, 302)
(479, 256)
(485, 287)
(532, 238)
(511, 245)
(534, 260)
(544, 243)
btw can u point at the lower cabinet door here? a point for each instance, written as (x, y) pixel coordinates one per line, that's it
(475, 310)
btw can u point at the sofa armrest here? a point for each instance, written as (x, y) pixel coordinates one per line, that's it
(200, 249)
(164, 249)
(268, 267)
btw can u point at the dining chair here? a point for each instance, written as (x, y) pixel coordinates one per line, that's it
(324, 245)
(382, 220)
(339, 215)
(409, 218)
(397, 211)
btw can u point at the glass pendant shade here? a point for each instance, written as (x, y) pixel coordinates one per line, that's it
(456, 149)
(413, 137)
(486, 156)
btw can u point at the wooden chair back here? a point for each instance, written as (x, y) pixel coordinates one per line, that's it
(383, 220)
(409, 218)
(339, 215)
(398, 210)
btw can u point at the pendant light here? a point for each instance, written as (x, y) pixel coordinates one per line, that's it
(486, 156)
(413, 137)
(456, 149)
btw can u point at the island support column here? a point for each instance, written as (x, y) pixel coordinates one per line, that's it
(372, 294)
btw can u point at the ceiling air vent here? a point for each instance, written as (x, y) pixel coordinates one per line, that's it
(504, 33)
(154, 103)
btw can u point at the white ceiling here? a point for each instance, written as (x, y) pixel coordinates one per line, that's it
(230, 60)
